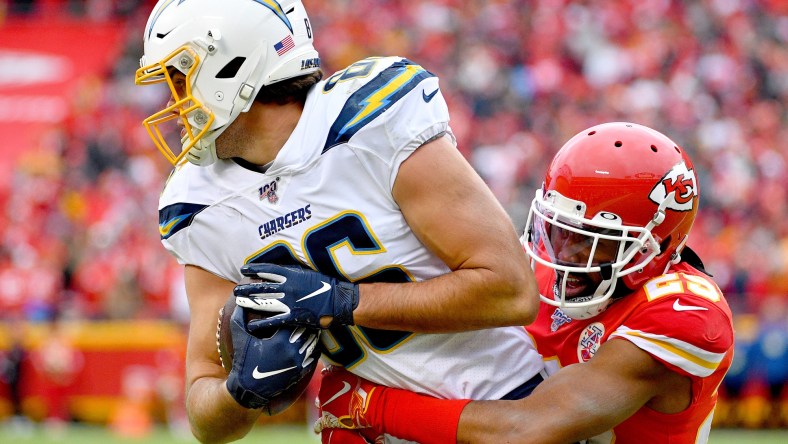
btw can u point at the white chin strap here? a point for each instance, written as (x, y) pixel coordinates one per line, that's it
(203, 153)
(581, 313)
(590, 308)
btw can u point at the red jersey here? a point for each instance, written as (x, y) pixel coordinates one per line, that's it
(679, 318)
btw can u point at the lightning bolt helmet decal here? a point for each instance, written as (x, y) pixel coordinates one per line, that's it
(276, 8)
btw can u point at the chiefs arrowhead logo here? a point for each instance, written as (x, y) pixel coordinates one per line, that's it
(679, 187)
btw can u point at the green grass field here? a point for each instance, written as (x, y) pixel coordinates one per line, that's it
(290, 435)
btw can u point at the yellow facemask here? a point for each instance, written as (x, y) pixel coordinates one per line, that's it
(195, 118)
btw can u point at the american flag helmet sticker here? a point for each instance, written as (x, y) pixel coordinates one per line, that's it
(286, 44)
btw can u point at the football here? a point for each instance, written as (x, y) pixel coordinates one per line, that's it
(224, 341)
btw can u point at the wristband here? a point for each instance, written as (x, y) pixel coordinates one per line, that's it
(413, 416)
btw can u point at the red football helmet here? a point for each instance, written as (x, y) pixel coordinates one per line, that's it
(617, 203)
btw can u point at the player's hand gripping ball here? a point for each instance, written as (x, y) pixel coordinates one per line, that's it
(269, 369)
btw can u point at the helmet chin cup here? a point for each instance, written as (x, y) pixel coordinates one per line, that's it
(586, 312)
(203, 153)
(582, 307)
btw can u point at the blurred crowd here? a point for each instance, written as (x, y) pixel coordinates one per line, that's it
(78, 238)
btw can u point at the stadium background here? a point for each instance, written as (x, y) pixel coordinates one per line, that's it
(92, 311)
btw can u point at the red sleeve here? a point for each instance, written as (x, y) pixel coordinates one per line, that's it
(687, 331)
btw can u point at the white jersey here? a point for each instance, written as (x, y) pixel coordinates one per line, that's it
(326, 202)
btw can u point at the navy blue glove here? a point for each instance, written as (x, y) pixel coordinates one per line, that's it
(295, 296)
(270, 372)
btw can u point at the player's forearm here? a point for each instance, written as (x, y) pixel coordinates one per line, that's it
(462, 300)
(562, 409)
(506, 422)
(490, 421)
(429, 420)
(214, 415)
(562, 412)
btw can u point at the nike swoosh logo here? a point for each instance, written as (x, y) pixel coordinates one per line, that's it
(326, 286)
(678, 307)
(256, 374)
(345, 389)
(428, 97)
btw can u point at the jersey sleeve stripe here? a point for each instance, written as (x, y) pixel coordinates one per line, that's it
(373, 99)
(694, 360)
(176, 217)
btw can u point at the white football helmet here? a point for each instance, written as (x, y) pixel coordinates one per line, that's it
(226, 50)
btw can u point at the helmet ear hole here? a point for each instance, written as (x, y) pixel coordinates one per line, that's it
(231, 69)
(606, 271)
(663, 245)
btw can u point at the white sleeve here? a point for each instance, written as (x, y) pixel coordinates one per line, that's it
(187, 198)
(417, 122)
(416, 113)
